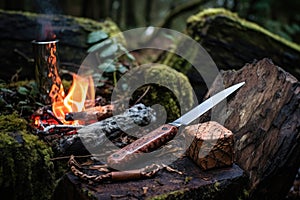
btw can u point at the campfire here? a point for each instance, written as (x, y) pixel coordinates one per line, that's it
(65, 112)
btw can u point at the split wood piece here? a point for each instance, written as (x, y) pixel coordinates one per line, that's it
(264, 116)
(91, 115)
(211, 146)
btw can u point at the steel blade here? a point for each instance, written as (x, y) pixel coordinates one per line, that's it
(202, 108)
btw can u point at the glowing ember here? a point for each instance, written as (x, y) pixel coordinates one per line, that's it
(81, 91)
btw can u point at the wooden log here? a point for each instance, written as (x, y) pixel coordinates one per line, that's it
(232, 41)
(228, 182)
(264, 116)
(193, 184)
(71, 32)
(94, 136)
(91, 115)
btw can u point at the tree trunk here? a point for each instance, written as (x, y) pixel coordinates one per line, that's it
(264, 116)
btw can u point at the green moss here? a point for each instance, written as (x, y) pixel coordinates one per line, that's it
(219, 12)
(25, 165)
(88, 193)
(178, 194)
(170, 84)
(217, 186)
(187, 179)
(177, 62)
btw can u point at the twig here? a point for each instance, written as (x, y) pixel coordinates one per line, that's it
(24, 56)
(61, 126)
(68, 157)
(141, 97)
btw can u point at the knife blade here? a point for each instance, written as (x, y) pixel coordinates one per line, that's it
(166, 132)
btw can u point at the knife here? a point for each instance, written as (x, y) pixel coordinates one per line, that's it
(166, 132)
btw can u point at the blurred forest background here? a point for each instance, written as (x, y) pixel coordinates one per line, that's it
(280, 17)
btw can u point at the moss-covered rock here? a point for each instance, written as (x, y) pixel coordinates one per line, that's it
(172, 90)
(26, 171)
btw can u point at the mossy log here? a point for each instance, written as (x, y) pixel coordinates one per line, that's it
(264, 116)
(232, 41)
(18, 29)
(26, 171)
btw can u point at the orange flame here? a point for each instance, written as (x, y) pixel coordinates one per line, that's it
(81, 91)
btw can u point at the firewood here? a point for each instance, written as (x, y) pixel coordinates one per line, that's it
(212, 145)
(93, 114)
(93, 136)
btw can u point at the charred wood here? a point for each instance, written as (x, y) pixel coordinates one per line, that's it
(95, 135)
(93, 114)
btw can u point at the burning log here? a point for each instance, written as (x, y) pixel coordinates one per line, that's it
(91, 115)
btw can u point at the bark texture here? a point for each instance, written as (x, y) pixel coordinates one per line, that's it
(193, 184)
(264, 116)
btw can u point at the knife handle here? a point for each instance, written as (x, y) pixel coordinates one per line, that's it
(145, 144)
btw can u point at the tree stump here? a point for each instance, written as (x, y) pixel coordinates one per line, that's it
(264, 116)
(71, 32)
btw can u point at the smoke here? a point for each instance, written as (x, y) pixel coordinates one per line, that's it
(49, 7)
